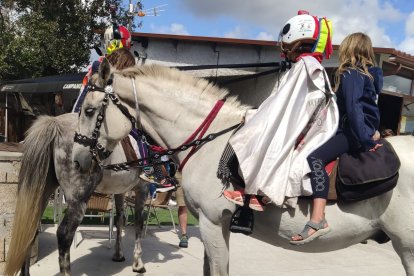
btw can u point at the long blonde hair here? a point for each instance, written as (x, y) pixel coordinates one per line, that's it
(355, 52)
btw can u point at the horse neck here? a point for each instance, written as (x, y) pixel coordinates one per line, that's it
(171, 112)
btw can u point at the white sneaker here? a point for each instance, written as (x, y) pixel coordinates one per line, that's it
(166, 188)
(146, 177)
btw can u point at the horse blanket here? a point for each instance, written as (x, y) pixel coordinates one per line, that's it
(273, 144)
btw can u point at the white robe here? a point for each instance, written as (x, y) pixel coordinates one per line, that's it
(265, 145)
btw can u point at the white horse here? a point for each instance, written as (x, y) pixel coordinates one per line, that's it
(173, 105)
(46, 164)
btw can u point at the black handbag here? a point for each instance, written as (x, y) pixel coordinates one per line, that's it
(364, 175)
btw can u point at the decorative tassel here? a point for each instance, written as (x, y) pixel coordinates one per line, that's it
(328, 47)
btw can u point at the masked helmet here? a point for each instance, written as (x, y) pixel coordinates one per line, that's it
(304, 29)
(116, 37)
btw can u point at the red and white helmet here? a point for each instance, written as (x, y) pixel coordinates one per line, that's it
(300, 28)
(116, 37)
(307, 29)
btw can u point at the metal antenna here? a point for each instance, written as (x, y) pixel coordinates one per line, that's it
(131, 15)
(138, 10)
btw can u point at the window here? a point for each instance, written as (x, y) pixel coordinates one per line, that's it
(397, 84)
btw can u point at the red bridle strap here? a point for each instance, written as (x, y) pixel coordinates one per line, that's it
(201, 130)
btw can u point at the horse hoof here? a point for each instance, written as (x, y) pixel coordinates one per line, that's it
(142, 270)
(119, 260)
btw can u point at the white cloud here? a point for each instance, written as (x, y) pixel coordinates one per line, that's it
(174, 28)
(407, 45)
(347, 16)
(178, 29)
(409, 25)
(265, 36)
(235, 33)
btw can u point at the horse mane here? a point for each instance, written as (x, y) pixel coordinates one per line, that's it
(207, 90)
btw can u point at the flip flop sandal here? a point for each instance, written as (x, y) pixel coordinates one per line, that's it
(237, 197)
(320, 231)
(256, 204)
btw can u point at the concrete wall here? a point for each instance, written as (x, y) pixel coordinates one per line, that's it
(9, 171)
(184, 53)
(175, 52)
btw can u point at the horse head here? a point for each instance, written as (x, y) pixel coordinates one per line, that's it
(106, 116)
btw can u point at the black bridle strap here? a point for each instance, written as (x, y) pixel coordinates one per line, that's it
(123, 109)
(149, 161)
(97, 150)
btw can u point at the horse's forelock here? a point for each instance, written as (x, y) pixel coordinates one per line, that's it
(94, 79)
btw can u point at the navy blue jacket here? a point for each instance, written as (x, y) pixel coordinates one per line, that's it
(82, 95)
(359, 115)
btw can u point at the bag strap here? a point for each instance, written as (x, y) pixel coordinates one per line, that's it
(328, 91)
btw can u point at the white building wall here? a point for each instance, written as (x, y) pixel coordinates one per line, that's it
(186, 53)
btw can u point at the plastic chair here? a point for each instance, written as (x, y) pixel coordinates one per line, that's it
(158, 200)
(102, 204)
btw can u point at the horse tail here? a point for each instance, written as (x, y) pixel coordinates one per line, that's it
(37, 156)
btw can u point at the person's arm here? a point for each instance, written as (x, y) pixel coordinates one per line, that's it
(352, 84)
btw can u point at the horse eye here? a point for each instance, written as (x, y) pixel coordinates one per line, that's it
(89, 111)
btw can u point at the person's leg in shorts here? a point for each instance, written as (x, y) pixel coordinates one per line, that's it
(182, 213)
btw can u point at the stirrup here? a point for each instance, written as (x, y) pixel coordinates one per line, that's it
(242, 220)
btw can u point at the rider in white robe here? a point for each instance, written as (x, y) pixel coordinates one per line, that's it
(271, 155)
(265, 145)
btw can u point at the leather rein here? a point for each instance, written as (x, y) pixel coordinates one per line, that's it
(99, 153)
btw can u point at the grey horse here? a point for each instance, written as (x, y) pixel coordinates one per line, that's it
(47, 163)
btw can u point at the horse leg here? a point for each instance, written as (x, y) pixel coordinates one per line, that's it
(403, 242)
(141, 194)
(398, 224)
(206, 265)
(119, 222)
(215, 238)
(26, 265)
(406, 253)
(66, 231)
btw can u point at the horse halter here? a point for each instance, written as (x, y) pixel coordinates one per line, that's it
(97, 150)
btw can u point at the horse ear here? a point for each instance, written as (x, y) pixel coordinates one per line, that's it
(104, 70)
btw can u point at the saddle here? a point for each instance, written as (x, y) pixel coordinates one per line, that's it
(129, 151)
(359, 176)
(132, 155)
(353, 177)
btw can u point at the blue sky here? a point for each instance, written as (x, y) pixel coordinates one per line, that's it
(389, 23)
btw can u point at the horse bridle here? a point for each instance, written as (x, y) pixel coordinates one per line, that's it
(97, 150)
(99, 153)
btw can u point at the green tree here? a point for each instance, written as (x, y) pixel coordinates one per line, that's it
(48, 37)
